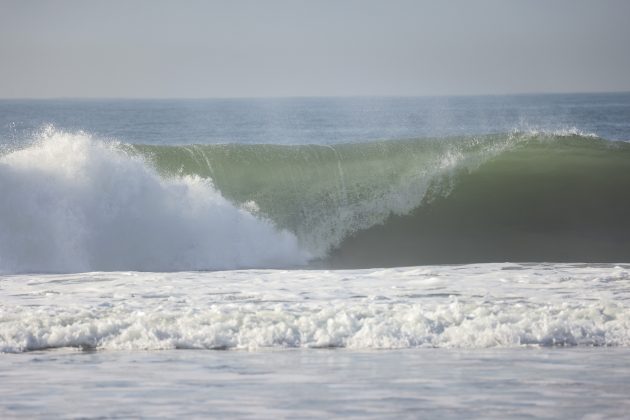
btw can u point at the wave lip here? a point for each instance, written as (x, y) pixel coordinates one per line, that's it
(72, 203)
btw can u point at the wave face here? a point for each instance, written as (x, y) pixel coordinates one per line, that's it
(325, 193)
(70, 203)
(545, 199)
(535, 196)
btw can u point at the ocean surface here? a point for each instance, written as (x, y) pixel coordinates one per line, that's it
(314, 257)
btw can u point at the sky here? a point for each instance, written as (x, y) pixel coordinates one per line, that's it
(277, 48)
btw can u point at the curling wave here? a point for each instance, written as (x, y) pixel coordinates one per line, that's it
(73, 203)
(522, 196)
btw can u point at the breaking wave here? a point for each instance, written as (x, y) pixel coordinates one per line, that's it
(70, 203)
(73, 203)
(521, 196)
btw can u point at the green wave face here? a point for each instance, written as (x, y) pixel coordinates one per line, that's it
(537, 197)
(324, 193)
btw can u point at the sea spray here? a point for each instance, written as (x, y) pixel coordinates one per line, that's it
(72, 203)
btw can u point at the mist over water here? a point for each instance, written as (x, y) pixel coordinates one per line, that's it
(316, 120)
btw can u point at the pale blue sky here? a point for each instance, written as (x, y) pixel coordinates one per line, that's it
(237, 48)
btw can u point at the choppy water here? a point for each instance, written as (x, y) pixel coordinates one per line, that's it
(114, 216)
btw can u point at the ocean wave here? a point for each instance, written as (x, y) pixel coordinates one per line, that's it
(75, 203)
(530, 195)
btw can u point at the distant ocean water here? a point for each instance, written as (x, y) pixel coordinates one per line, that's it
(468, 230)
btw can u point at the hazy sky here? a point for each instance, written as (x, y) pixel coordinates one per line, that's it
(158, 48)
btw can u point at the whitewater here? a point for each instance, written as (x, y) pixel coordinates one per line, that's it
(378, 256)
(72, 203)
(472, 306)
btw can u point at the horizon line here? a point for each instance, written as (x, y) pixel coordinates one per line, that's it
(192, 98)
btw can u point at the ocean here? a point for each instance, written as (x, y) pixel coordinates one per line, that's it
(315, 257)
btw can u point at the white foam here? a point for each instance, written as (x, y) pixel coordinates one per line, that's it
(475, 306)
(558, 132)
(71, 203)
